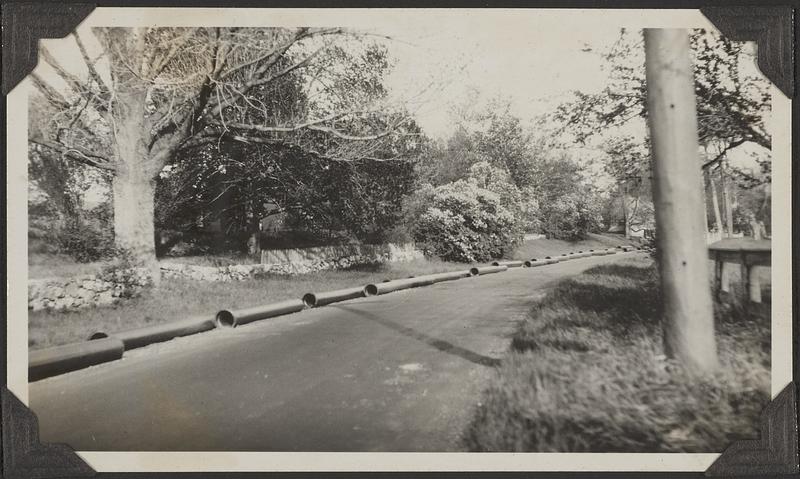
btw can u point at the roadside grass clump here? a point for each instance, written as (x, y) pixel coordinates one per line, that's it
(587, 373)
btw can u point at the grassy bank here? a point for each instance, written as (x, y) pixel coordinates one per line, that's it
(587, 373)
(550, 247)
(182, 298)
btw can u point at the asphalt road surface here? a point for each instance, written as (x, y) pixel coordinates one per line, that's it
(399, 372)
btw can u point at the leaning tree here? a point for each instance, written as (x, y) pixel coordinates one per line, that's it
(154, 92)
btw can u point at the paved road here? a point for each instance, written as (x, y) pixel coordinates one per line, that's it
(400, 372)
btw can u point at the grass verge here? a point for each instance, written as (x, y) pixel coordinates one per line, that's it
(586, 373)
(550, 247)
(178, 299)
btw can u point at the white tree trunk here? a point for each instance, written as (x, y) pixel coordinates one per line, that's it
(715, 204)
(677, 194)
(134, 183)
(726, 199)
(134, 229)
(625, 214)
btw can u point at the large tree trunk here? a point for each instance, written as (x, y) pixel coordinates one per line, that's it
(134, 229)
(134, 182)
(686, 295)
(254, 238)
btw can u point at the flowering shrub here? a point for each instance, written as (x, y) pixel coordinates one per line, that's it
(521, 202)
(467, 223)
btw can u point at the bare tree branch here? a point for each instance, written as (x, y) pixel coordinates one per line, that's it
(72, 81)
(78, 154)
(90, 63)
(315, 125)
(50, 93)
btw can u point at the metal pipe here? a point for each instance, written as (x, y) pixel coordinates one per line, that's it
(477, 271)
(313, 300)
(137, 338)
(233, 318)
(44, 363)
(389, 286)
(534, 262)
(448, 276)
(510, 264)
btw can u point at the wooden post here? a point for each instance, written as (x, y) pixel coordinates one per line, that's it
(677, 195)
(754, 284)
(724, 277)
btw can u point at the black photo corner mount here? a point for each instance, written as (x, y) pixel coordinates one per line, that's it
(772, 30)
(774, 452)
(24, 23)
(24, 456)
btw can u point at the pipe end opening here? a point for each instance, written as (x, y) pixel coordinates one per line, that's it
(225, 319)
(474, 271)
(310, 300)
(370, 290)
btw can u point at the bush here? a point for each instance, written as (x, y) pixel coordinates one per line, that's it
(571, 216)
(587, 373)
(463, 222)
(85, 244)
(521, 203)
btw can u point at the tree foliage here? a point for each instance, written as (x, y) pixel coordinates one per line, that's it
(731, 103)
(157, 96)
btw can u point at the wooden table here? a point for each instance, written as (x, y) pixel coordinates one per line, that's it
(747, 253)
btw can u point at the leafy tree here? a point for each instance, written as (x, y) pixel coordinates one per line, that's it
(731, 105)
(169, 90)
(492, 135)
(628, 163)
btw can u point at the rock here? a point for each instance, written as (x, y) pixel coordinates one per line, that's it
(62, 303)
(85, 293)
(106, 298)
(37, 304)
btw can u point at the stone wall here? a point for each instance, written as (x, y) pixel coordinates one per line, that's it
(296, 261)
(109, 288)
(237, 272)
(85, 291)
(307, 260)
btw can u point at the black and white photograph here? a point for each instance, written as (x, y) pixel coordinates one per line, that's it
(452, 231)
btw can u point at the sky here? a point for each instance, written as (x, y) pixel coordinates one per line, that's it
(534, 68)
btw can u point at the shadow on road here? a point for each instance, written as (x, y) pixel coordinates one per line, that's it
(439, 344)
